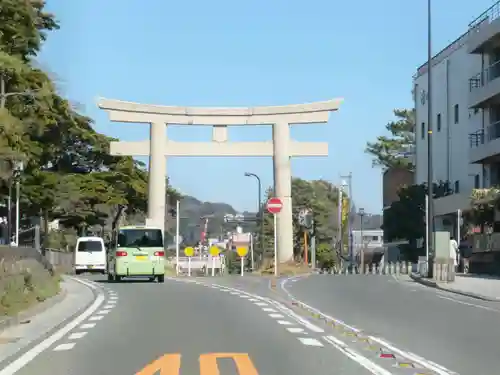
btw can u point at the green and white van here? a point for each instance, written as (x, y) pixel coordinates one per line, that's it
(137, 251)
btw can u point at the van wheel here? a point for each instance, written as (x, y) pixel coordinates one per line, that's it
(118, 278)
(110, 277)
(161, 278)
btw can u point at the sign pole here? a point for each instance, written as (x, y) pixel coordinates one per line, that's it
(214, 252)
(177, 235)
(275, 247)
(251, 252)
(242, 265)
(274, 206)
(306, 250)
(189, 266)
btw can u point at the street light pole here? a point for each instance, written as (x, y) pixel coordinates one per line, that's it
(260, 208)
(361, 213)
(349, 221)
(19, 169)
(430, 183)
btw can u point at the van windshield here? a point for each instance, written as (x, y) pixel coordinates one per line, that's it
(140, 238)
(90, 246)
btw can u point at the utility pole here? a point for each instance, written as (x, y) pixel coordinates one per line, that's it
(430, 182)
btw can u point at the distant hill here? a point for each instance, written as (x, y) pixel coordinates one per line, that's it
(192, 212)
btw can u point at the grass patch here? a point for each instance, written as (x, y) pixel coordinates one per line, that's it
(286, 269)
(24, 283)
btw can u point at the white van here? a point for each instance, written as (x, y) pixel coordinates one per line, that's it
(90, 255)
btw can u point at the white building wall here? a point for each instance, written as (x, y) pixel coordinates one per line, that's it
(451, 71)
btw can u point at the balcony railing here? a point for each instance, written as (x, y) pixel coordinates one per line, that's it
(488, 16)
(483, 78)
(479, 137)
(494, 131)
(476, 139)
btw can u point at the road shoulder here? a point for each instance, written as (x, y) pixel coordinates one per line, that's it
(445, 287)
(39, 322)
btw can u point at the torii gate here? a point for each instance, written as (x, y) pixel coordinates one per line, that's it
(281, 148)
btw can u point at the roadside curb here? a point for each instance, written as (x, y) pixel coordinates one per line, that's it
(27, 315)
(433, 284)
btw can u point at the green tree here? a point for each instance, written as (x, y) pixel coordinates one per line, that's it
(23, 27)
(405, 219)
(69, 174)
(387, 151)
(325, 256)
(322, 198)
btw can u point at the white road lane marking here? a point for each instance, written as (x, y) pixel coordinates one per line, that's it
(63, 347)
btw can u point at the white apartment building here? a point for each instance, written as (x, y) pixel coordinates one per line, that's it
(465, 117)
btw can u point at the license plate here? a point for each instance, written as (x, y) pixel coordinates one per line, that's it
(141, 257)
(90, 267)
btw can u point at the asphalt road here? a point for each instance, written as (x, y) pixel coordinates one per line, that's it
(138, 323)
(459, 333)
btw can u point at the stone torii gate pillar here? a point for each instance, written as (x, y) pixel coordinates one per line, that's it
(281, 148)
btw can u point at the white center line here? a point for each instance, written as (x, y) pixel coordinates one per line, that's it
(76, 335)
(62, 347)
(98, 317)
(104, 312)
(284, 322)
(309, 341)
(276, 316)
(295, 330)
(87, 325)
(269, 309)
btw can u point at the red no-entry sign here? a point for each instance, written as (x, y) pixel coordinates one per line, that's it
(274, 205)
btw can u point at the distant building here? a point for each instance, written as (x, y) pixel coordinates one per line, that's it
(372, 239)
(465, 117)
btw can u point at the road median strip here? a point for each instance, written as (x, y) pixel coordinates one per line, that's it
(372, 343)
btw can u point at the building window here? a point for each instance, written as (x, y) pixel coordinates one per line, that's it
(476, 181)
(422, 129)
(439, 122)
(455, 110)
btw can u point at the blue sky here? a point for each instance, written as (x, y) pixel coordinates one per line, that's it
(249, 53)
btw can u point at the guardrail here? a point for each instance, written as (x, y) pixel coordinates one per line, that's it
(198, 263)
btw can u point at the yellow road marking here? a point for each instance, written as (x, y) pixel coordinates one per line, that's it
(244, 365)
(170, 364)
